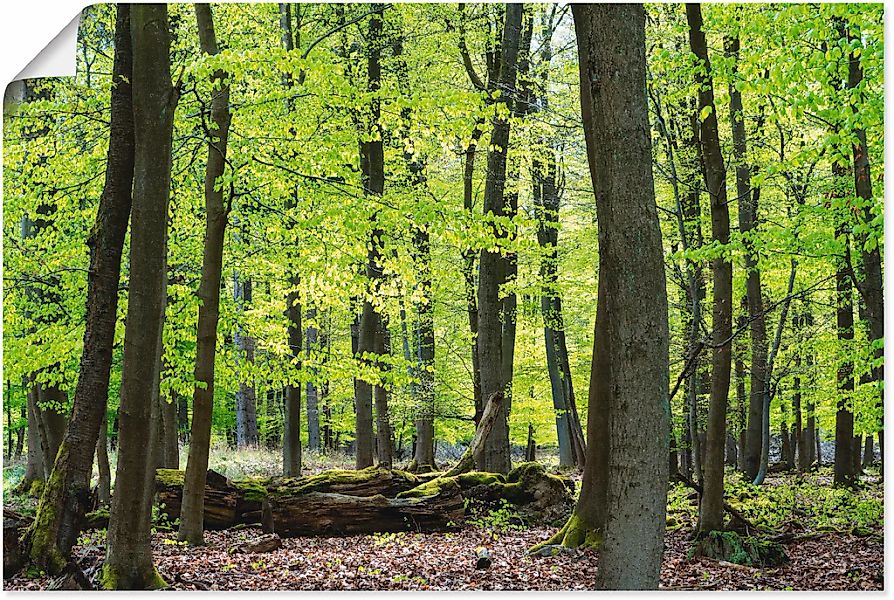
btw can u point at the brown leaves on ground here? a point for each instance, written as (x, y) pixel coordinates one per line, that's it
(446, 561)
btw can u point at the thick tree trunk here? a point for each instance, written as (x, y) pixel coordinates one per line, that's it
(868, 452)
(384, 442)
(870, 283)
(128, 563)
(493, 266)
(711, 507)
(625, 479)
(66, 498)
(216, 215)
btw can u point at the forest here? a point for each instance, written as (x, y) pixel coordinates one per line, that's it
(397, 296)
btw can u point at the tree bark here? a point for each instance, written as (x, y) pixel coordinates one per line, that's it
(372, 161)
(629, 393)
(493, 266)
(246, 397)
(66, 498)
(216, 215)
(748, 221)
(711, 507)
(311, 343)
(844, 318)
(128, 563)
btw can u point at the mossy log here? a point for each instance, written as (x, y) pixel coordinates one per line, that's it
(369, 500)
(324, 513)
(221, 497)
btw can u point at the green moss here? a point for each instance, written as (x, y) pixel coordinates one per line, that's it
(473, 478)
(253, 490)
(41, 535)
(170, 477)
(97, 519)
(429, 488)
(574, 534)
(734, 548)
(110, 579)
(336, 477)
(36, 489)
(525, 472)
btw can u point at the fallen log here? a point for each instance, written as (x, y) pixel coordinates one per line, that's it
(229, 503)
(370, 500)
(326, 513)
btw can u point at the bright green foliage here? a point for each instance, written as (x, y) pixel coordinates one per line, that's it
(294, 181)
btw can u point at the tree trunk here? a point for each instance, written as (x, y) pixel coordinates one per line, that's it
(170, 444)
(748, 208)
(104, 482)
(34, 471)
(844, 317)
(246, 398)
(384, 442)
(372, 162)
(313, 411)
(711, 507)
(469, 268)
(291, 448)
(625, 478)
(870, 285)
(66, 498)
(492, 266)
(868, 452)
(128, 563)
(216, 215)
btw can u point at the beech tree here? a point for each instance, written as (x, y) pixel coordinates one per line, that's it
(66, 497)
(216, 215)
(128, 563)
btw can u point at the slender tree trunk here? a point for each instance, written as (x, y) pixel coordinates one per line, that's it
(67, 496)
(128, 563)
(384, 442)
(313, 412)
(170, 444)
(493, 266)
(844, 316)
(372, 160)
(748, 209)
(246, 396)
(104, 482)
(216, 215)
(469, 268)
(34, 470)
(868, 452)
(711, 508)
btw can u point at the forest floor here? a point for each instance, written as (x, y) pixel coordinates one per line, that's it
(446, 561)
(838, 546)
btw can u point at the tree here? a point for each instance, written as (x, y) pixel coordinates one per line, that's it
(748, 220)
(128, 563)
(623, 494)
(372, 165)
(66, 497)
(216, 215)
(492, 264)
(711, 506)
